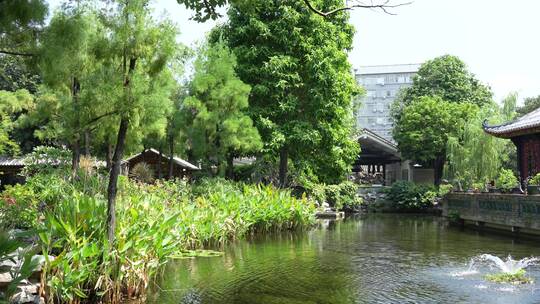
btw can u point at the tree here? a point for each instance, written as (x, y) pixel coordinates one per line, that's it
(11, 104)
(444, 79)
(529, 104)
(135, 72)
(220, 128)
(302, 87)
(447, 77)
(424, 127)
(67, 59)
(475, 157)
(208, 9)
(16, 75)
(21, 22)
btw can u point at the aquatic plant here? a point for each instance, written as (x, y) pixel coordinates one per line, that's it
(518, 277)
(154, 223)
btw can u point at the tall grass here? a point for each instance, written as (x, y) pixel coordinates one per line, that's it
(154, 222)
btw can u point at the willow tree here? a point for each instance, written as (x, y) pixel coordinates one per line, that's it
(140, 84)
(474, 157)
(302, 88)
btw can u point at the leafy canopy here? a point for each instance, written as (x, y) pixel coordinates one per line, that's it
(447, 77)
(302, 89)
(218, 99)
(424, 126)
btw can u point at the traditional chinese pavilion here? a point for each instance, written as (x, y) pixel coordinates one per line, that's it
(525, 134)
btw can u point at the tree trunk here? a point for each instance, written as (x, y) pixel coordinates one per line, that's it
(109, 156)
(438, 168)
(113, 180)
(76, 146)
(230, 166)
(171, 155)
(117, 158)
(159, 163)
(75, 157)
(283, 160)
(86, 142)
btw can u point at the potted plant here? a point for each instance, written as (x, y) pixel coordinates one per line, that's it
(507, 181)
(533, 187)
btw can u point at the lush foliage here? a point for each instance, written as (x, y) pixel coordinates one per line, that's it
(12, 104)
(443, 95)
(219, 127)
(424, 126)
(408, 196)
(529, 104)
(302, 89)
(506, 180)
(155, 222)
(342, 196)
(475, 157)
(447, 77)
(535, 180)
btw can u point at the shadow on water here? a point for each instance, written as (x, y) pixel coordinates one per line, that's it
(376, 258)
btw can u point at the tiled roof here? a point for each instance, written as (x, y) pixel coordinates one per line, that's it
(6, 161)
(529, 123)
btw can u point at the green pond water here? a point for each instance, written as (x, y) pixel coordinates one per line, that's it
(364, 259)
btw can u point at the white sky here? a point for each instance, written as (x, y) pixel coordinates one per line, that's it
(497, 39)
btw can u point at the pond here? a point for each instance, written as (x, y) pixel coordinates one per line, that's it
(375, 258)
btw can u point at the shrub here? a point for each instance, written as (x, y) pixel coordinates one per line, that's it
(343, 196)
(142, 172)
(535, 180)
(18, 207)
(409, 196)
(445, 189)
(507, 180)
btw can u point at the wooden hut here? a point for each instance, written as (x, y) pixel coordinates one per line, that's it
(524, 132)
(159, 163)
(10, 169)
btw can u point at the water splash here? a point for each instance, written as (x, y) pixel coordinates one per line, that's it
(471, 270)
(509, 266)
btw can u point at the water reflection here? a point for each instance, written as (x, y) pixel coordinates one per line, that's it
(367, 259)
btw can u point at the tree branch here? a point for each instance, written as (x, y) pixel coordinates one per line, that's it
(382, 6)
(16, 53)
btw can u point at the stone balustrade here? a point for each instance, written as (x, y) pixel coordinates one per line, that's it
(515, 212)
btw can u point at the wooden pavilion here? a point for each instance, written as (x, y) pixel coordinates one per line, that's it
(524, 132)
(159, 163)
(377, 153)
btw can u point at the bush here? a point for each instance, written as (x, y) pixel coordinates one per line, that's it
(409, 196)
(142, 172)
(507, 180)
(18, 208)
(535, 180)
(343, 196)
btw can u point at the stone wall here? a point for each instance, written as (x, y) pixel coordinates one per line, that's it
(513, 211)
